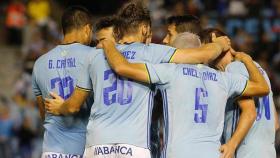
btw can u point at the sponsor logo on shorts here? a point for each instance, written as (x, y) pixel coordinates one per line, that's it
(56, 155)
(123, 150)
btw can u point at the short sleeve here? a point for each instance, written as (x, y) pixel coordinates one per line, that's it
(236, 84)
(160, 74)
(84, 80)
(160, 53)
(35, 88)
(237, 67)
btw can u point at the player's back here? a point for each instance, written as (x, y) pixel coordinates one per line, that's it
(57, 71)
(121, 113)
(194, 101)
(259, 142)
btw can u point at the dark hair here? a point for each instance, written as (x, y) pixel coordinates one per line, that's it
(206, 35)
(105, 22)
(75, 17)
(131, 16)
(185, 23)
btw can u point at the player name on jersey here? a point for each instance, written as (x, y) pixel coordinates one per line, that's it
(62, 63)
(113, 150)
(129, 54)
(206, 75)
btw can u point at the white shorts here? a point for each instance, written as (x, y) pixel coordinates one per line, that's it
(116, 151)
(59, 155)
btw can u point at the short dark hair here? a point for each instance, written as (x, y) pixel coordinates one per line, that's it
(131, 16)
(185, 23)
(105, 22)
(206, 34)
(75, 17)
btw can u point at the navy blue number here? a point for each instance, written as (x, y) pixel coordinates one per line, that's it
(62, 84)
(263, 103)
(119, 92)
(106, 91)
(124, 97)
(200, 108)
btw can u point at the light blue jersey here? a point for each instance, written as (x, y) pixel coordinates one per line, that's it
(194, 97)
(122, 109)
(58, 71)
(259, 142)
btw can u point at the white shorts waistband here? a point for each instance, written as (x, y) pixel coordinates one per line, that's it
(116, 151)
(59, 155)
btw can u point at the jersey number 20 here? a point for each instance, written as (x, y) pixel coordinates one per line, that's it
(200, 108)
(119, 92)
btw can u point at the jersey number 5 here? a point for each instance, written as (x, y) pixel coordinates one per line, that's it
(119, 92)
(263, 104)
(199, 107)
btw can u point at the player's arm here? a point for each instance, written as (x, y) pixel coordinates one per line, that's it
(138, 71)
(246, 120)
(121, 66)
(58, 106)
(256, 86)
(203, 54)
(37, 92)
(41, 106)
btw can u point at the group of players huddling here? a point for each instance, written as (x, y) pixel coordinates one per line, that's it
(97, 102)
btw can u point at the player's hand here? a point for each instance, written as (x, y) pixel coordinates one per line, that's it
(241, 56)
(53, 105)
(227, 151)
(105, 43)
(223, 41)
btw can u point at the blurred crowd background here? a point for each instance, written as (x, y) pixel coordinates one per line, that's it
(29, 28)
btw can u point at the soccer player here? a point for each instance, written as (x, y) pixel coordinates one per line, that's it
(105, 29)
(194, 112)
(259, 142)
(58, 71)
(177, 26)
(120, 116)
(180, 24)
